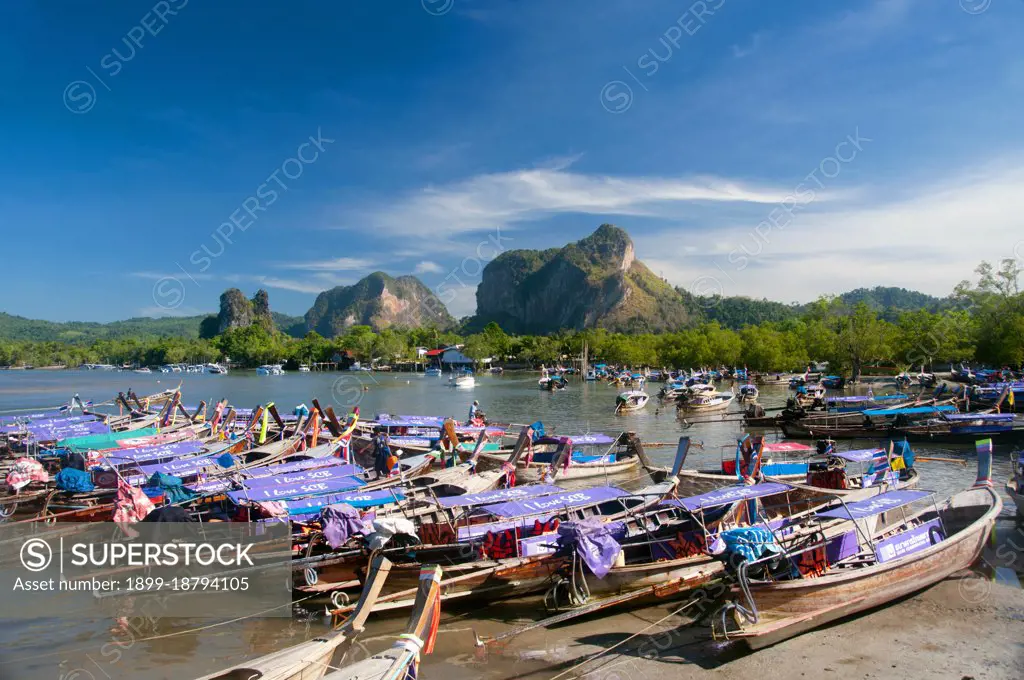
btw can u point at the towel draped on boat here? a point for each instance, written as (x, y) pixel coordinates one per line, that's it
(388, 528)
(596, 542)
(340, 522)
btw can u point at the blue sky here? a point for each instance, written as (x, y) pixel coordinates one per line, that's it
(156, 153)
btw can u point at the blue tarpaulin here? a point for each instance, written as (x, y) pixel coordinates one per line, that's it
(70, 479)
(750, 542)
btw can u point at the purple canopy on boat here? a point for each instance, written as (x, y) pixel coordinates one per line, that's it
(210, 486)
(386, 420)
(185, 467)
(514, 493)
(423, 442)
(56, 433)
(883, 502)
(860, 455)
(303, 477)
(153, 453)
(567, 499)
(309, 488)
(729, 494)
(299, 465)
(40, 423)
(31, 416)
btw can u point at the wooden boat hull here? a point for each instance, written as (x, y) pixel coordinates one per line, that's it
(789, 608)
(675, 575)
(801, 430)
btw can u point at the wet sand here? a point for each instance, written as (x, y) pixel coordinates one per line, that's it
(969, 626)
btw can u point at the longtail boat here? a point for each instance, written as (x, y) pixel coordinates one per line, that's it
(847, 474)
(586, 456)
(657, 551)
(310, 660)
(884, 553)
(401, 660)
(923, 423)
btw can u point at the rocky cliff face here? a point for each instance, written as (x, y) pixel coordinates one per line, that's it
(595, 282)
(378, 301)
(237, 311)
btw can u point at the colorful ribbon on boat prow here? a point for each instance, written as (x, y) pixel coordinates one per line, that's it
(984, 447)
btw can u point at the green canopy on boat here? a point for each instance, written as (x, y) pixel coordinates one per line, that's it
(107, 440)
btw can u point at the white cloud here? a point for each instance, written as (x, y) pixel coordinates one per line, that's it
(317, 283)
(427, 267)
(486, 201)
(740, 52)
(928, 239)
(333, 265)
(463, 303)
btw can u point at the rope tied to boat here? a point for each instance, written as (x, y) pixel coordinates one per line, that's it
(410, 643)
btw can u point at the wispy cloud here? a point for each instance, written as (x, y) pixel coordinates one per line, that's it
(427, 267)
(502, 199)
(463, 302)
(313, 284)
(928, 238)
(740, 52)
(334, 265)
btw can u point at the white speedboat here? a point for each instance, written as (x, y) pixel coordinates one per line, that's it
(463, 380)
(303, 368)
(216, 369)
(433, 372)
(631, 400)
(704, 403)
(270, 369)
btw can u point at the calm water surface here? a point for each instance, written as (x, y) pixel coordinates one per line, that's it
(98, 649)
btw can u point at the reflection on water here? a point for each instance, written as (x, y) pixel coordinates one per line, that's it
(98, 649)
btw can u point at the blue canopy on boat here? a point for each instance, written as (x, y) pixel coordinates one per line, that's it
(991, 417)
(357, 499)
(912, 410)
(860, 455)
